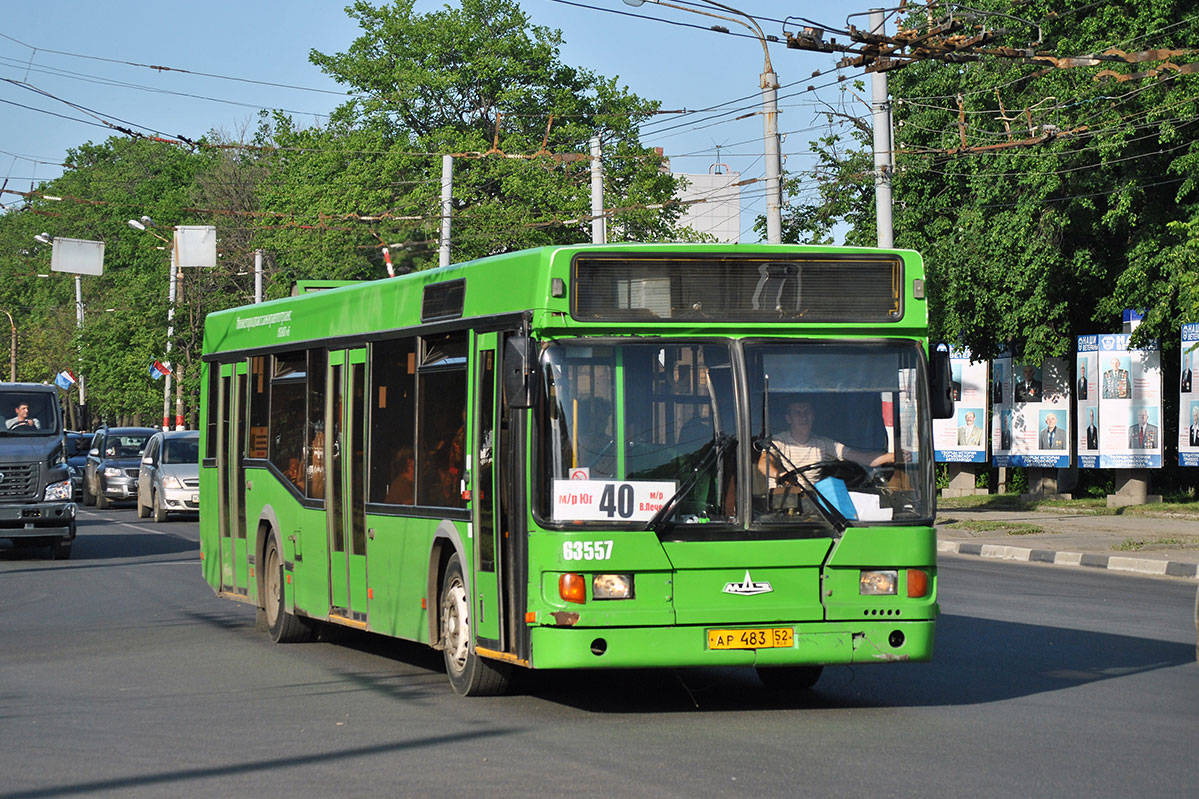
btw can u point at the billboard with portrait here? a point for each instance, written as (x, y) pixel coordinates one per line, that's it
(963, 438)
(1130, 404)
(1188, 398)
(1086, 398)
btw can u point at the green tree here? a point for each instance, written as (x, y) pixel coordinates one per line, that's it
(1045, 199)
(477, 81)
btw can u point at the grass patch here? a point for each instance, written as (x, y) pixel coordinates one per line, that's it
(1007, 528)
(1138, 544)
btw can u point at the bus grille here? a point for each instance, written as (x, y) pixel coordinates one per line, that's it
(18, 481)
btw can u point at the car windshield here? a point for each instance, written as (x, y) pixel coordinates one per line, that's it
(125, 446)
(29, 412)
(181, 450)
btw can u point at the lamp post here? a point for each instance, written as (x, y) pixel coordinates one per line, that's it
(12, 354)
(145, 223)
(770, 86)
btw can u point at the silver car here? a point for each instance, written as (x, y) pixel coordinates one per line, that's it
(168, 480)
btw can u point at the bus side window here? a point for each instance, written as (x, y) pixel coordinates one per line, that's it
(393, 422)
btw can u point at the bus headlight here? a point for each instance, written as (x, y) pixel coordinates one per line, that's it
(57, 492)
(612, 586)
(878, 583)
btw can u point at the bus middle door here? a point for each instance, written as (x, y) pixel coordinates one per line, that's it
(345, 508)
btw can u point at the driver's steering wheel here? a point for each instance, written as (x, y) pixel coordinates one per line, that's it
(854, 474)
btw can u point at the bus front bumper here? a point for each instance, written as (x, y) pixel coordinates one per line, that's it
(825, 643)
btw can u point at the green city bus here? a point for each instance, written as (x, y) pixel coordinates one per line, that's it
(587, 456)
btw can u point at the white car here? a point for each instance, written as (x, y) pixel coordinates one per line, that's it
(168, 480)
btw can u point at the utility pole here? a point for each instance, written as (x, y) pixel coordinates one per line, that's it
(599, 224)
(883, 163)
(257, 276)
(447, 193)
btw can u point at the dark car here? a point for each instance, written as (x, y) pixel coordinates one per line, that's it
(112, 465)
(77, 446)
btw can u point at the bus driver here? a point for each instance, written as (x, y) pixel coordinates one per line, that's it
(799, 447)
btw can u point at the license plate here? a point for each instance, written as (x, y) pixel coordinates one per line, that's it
(195, 497)
(756, 638)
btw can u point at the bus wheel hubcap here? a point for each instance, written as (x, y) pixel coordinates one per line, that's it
(455, 624)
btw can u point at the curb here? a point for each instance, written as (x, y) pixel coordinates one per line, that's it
(1159, 568)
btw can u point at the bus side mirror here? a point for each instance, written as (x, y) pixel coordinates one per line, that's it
(940, 385)
(518, 371)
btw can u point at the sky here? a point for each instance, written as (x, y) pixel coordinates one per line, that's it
(228, 60)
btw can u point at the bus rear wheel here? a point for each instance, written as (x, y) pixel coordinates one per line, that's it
(470, 675)
(789, 678)
(284, 627)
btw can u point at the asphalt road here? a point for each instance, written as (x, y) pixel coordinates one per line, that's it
(121, 674)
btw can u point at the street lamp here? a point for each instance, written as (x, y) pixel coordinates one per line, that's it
(770, 86)
(145, 224)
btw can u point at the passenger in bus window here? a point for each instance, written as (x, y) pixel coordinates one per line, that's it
(402, 490)
(799, 447)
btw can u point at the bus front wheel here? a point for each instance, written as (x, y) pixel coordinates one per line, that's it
(284, 627)
(470, 675)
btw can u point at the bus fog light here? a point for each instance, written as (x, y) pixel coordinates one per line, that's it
(878, 583)
(917, 583)
(612, 586)
(572, 587)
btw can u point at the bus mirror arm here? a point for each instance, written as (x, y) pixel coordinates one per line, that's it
(518, 371)
(940, 384)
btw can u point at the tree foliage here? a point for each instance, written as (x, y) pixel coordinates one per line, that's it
(479, 82)
(1045, 199)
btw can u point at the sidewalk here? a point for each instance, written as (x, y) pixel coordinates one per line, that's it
(1161, 544)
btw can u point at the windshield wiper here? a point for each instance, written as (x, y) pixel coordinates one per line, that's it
(822, 503)
(716, 448)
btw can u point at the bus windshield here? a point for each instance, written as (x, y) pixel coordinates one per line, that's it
(648, 434)
(841, 432)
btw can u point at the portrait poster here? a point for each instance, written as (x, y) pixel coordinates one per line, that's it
(1086, 398)
(1037, 422)
(1188, 398)
(1130, 404)
(963, 438)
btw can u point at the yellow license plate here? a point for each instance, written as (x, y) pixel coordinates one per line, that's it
(756, 638)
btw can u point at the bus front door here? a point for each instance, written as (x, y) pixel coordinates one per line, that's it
(345, 506)
(495, 575)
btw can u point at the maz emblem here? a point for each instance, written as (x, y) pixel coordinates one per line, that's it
(748, 587)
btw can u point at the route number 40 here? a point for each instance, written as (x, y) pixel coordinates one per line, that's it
(586, 550)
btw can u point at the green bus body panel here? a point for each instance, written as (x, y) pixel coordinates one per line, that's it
(814, 643)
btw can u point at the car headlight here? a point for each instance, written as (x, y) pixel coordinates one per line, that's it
(56, 492)
(171, 482)
(112, 471)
